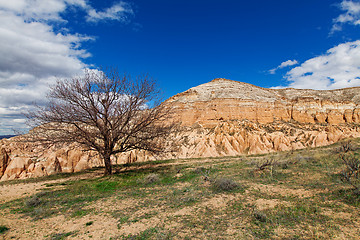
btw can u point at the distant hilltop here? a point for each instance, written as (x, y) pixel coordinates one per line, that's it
(222, 99)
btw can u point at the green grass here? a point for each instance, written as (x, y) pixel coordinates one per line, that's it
(3, 229)
(182, 201)
(61, 236)
(150, 233)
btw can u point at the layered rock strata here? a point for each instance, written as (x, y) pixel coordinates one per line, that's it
(223, 99)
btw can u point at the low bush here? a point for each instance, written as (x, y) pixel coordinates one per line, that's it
(351, 173)
(89, 223)
(62, 236)
(33, 201)
(3, 229)
(199, 170)
(224, 184)
(151, 178)
(345, 147)
(260, 216)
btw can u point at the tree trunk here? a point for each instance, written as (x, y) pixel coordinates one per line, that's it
(108, 167)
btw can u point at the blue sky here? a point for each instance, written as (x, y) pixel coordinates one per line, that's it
(299, 43)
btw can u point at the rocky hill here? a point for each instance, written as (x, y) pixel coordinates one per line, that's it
(218, 118)
(223, 99)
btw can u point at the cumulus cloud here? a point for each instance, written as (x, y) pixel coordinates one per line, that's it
(34, 54)
(351, 15)
(283, 65)
(339, 67)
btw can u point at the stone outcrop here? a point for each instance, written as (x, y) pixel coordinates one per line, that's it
(4, 160)
(223, 99)
(26, 160)
(233, 138)
(219, 118)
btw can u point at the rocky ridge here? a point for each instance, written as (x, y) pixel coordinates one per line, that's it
(223, 99)
(219, 118)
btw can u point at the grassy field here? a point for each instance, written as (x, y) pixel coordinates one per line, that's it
(287, 195)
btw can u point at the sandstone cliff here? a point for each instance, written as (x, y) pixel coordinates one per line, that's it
(223, 99)
(219, 118)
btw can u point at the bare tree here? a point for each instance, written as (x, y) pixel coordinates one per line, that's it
(105, 112)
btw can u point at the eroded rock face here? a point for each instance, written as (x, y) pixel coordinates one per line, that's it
(4, 160)
(219, 118)
(223, 99)
(232, 138)
(25, 160)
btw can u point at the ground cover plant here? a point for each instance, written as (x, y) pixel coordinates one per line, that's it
(289, 195)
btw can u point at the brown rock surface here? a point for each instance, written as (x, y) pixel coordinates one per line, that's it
(219, 118)
(231, 138)
(223, 99)
(4, 160)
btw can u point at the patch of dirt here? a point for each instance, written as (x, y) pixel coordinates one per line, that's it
(20, 190)
(263, 204)
(271, 189)
(140, 226)
(112, 204)
(103, 227)
(220, 201)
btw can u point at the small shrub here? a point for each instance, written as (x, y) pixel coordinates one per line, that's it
(284, 165)
(89, 223)
(34, 201)
(345, 147)
(62, 236)
(151, 178)
(351, 173)
(3, 229)
(199, 170)
(224, 184)
(204, 172)
(300, 159)
(268, 163)
(260, 216)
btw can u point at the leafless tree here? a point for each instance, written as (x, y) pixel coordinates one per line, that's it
(351, 173)
(105, 112)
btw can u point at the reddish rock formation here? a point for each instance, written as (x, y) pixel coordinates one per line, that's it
(4, 160)
(223, 99)
(219, 118)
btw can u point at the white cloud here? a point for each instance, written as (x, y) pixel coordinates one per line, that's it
(287, 63)
(338, 68)
(351, 15)
(33, 54)
(118, 12)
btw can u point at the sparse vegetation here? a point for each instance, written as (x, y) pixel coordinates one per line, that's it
(151, 178)
(3, 229)
(345, 147)
(89, 223)
(224, 184)
(351, 173)
(33, 201)
(61, 236)
(265, 164)
(217, 198)
(260, 216)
